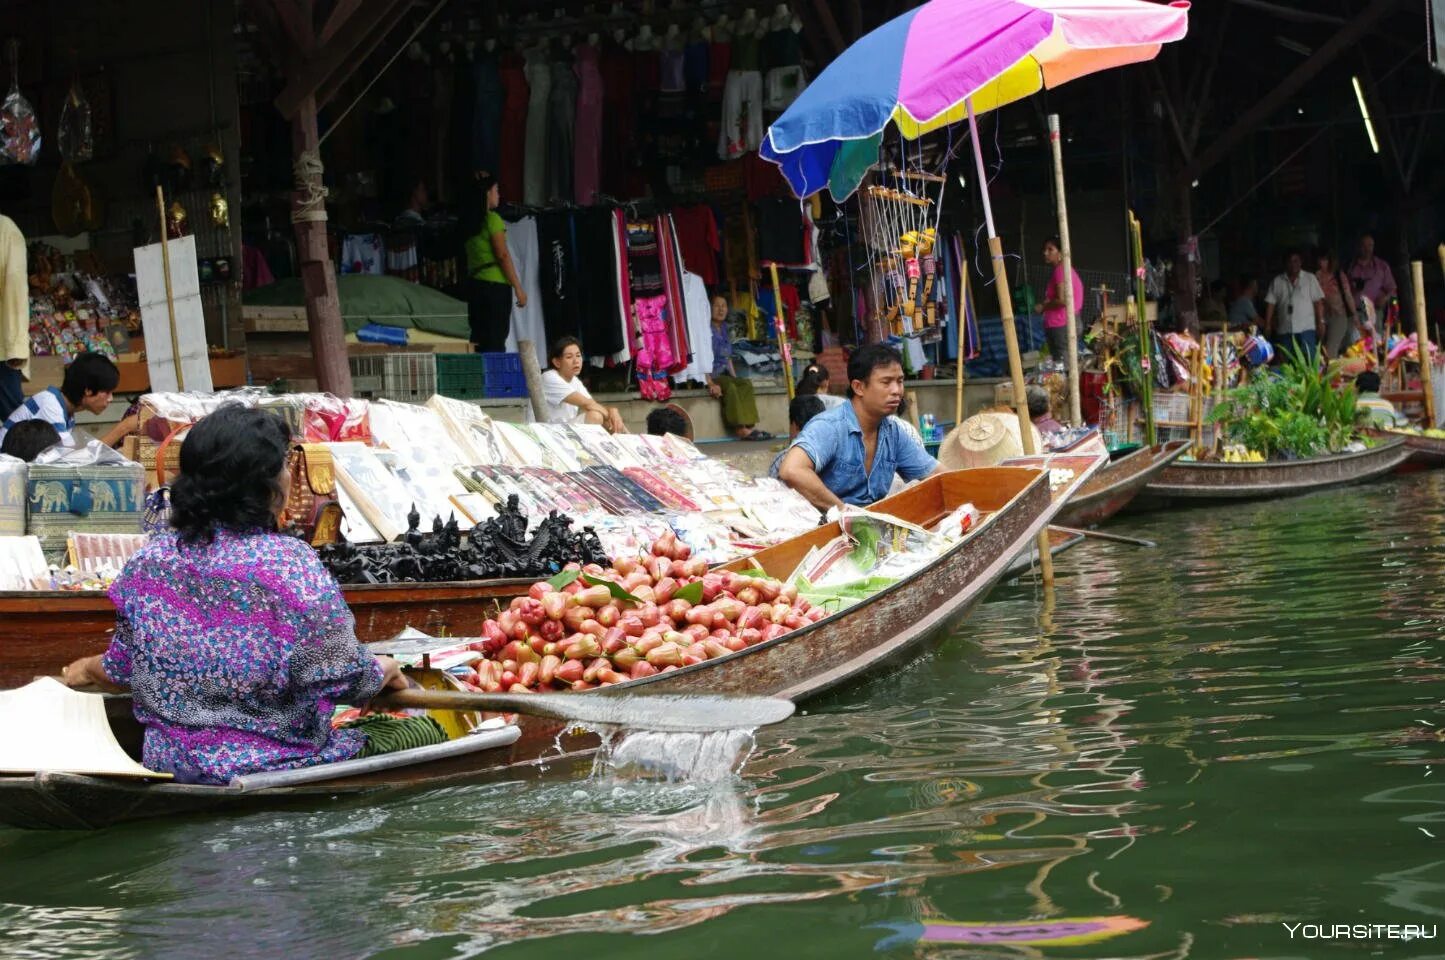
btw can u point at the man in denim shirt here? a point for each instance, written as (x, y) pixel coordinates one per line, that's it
(851, 453)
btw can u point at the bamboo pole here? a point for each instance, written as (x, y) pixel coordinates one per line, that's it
(1010, 335)
(1422, 341)
(1146, 341)
(1076, 413)
(170, 294)
(965, 304)
(780, 326)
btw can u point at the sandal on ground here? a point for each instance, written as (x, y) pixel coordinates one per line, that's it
(759, 435)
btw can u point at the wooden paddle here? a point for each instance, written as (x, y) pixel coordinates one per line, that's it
(667, 713)
(1111, 537)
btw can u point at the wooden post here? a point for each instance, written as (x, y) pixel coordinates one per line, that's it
(1010, 335)
(532, 373)
(780, 327)
(1422, 341)
(318, 278)
(170, 295)
(1076, 412)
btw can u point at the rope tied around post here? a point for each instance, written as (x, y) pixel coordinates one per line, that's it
(311, 194)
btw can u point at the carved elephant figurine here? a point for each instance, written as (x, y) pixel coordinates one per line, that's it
(49, 496)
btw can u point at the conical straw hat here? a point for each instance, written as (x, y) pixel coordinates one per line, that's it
(984, 440)
(45, 725)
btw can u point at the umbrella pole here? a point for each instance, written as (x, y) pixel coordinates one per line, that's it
(963, 299)
(1010, 335)
(1076, 414)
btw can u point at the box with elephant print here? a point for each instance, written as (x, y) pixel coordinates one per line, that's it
(108, 498)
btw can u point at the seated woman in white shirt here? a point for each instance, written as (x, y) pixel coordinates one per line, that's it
(566, 396)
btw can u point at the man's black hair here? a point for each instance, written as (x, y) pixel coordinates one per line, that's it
(28, 437)
(1367, 382)
(666, 420)
(89, 373)
(804, 408)
(1038, 400)
(868, 358)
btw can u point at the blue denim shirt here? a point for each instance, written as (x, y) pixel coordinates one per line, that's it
(833, 440)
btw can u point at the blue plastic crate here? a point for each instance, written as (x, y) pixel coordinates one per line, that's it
(503, 376)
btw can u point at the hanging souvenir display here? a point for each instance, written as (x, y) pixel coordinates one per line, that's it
(213, 166)
(177, 221)
(220, 211)
(72, 203)
(73, 137)
(900, 223)
(19, 127)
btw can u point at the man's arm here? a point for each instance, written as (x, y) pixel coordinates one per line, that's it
(1269, 319)
(797, 472)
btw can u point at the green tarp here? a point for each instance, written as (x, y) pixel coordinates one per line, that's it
(388, 301)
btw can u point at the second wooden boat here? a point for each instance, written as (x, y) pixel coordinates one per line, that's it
(1115, 485)
(1202, 481)
(889, 626)
(1426, 453)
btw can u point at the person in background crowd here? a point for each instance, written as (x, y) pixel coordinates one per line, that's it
(89, 383)
(28, 438)
(14, 318)
(1371, 278)
(1038, 400)
(665, 420)
(492, 283)
(852, 453)
(802, 409)
(566, 396)
(1213, 314)
(1374, 409)
(816, 382)
(1294, 311)
(739, 405)
(233, 639)
(1056, 318)
(1242, 312)
(1341, 319)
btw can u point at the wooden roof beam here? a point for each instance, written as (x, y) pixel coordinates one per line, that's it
(1265, 107)
(338, 16)
(335, 62)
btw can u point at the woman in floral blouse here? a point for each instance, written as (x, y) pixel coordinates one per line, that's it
(233, 639)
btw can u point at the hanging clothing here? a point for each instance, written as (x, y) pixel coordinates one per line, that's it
(597, 287)
(742, 115)
(695, 66)
(624, 285)
(780, 232)
(363, 253)
(654, 347)
(587, 148)
(618, 118)
(512, 143)
(561, 131)
(461, 122)
(697, 307)
(489, 97)
(672, 71)
(539, 85)
(561, 308)
(697, 235)
(719, 62)
(670, 262)
(527, 323)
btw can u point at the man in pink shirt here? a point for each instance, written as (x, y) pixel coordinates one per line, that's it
(1371, 277)
(1056, 317)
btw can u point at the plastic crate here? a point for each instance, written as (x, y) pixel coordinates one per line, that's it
(461, 376)
(368, 376)
(503, 375)
(410, 377)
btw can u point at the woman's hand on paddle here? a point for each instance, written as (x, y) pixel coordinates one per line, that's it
(391, 676)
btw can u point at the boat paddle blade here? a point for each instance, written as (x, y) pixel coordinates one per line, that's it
(666, 713)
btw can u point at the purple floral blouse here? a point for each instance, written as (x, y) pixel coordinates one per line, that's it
(235, 653)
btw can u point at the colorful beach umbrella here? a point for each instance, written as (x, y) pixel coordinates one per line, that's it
(919, 70)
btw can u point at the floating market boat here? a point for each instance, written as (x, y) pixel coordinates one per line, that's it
(42, 630)
(1426, 452)
(1115, 485)
(1015, 503)
(1203, 480)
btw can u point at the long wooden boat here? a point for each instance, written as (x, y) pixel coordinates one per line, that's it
(1113, 487)
(1202, 481)
(1016, 505)
(1426, 453)
(41, 630)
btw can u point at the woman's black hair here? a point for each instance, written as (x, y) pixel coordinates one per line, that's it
(813, 377)
(804, 407)
(89, 373)
(666, 420)
(1054, 242)
(560, 345)
(230, 477)
(28, 438)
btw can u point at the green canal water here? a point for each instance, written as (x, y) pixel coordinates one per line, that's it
(1231, 733)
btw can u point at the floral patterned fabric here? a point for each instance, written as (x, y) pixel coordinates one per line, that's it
(235, 653)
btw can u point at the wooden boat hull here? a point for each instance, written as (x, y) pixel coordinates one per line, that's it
(42, 631)
(1426, 453)
(1203, 482)
(1117, 484)
(803, 664)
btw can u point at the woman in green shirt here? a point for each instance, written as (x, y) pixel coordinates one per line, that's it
(491, 278)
